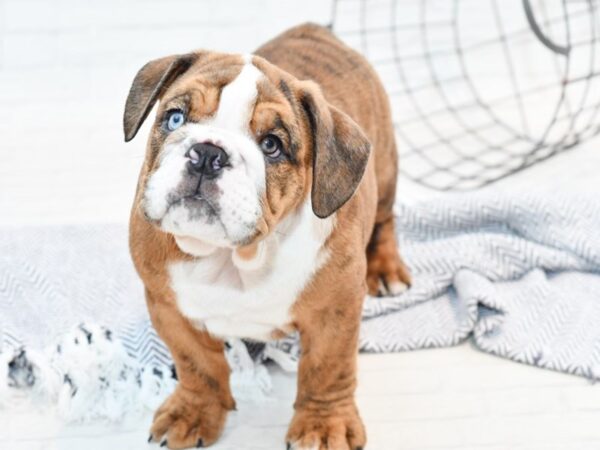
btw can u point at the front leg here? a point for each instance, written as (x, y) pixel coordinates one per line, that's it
(194, 415)
(326, 416)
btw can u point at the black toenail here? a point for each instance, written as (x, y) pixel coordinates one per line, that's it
(200, 443)
(288, 446)
(358, 448)
(163, 443)
(150, 438)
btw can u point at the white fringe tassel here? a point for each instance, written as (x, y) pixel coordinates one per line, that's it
(88, 376)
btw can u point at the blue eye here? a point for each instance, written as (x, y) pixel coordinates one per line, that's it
(175, 119)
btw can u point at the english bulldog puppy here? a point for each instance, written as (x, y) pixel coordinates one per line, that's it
(264, 206)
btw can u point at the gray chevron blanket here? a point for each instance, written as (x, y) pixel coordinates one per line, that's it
(519, 276)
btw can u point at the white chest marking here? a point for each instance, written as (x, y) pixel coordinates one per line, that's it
(229, 302)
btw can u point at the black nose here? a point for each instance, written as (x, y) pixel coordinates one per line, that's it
(207, 159)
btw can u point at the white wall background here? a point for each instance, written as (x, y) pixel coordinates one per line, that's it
(65, 70)
(66, 67)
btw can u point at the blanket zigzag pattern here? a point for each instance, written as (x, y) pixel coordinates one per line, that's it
(522, 275)
(519, 275)
(141, 340)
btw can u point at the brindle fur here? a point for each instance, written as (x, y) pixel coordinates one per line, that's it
(309, 116)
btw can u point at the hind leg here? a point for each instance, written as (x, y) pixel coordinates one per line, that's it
(387, 274)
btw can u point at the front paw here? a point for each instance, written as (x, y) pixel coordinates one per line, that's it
(188, 419)
(339, 428)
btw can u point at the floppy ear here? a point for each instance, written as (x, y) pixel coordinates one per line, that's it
(340, 152)
(148, 86)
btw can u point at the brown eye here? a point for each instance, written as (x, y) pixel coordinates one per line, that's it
(271, 146)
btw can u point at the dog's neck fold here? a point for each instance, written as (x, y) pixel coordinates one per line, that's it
(253, 261)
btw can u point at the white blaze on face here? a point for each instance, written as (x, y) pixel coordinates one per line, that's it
(238, 99)
(240, 186)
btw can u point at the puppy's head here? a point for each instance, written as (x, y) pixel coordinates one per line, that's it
(237, 145)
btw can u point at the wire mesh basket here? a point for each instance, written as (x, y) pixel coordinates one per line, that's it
(480, 89)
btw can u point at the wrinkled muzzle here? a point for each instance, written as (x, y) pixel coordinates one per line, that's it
(208, 184)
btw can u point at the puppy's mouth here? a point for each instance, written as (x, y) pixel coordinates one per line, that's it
(199, 208)
(197, 205)
(193, 200)
(202, 211)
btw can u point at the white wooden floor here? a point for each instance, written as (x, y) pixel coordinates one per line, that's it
(437, 399)
(64, 74)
